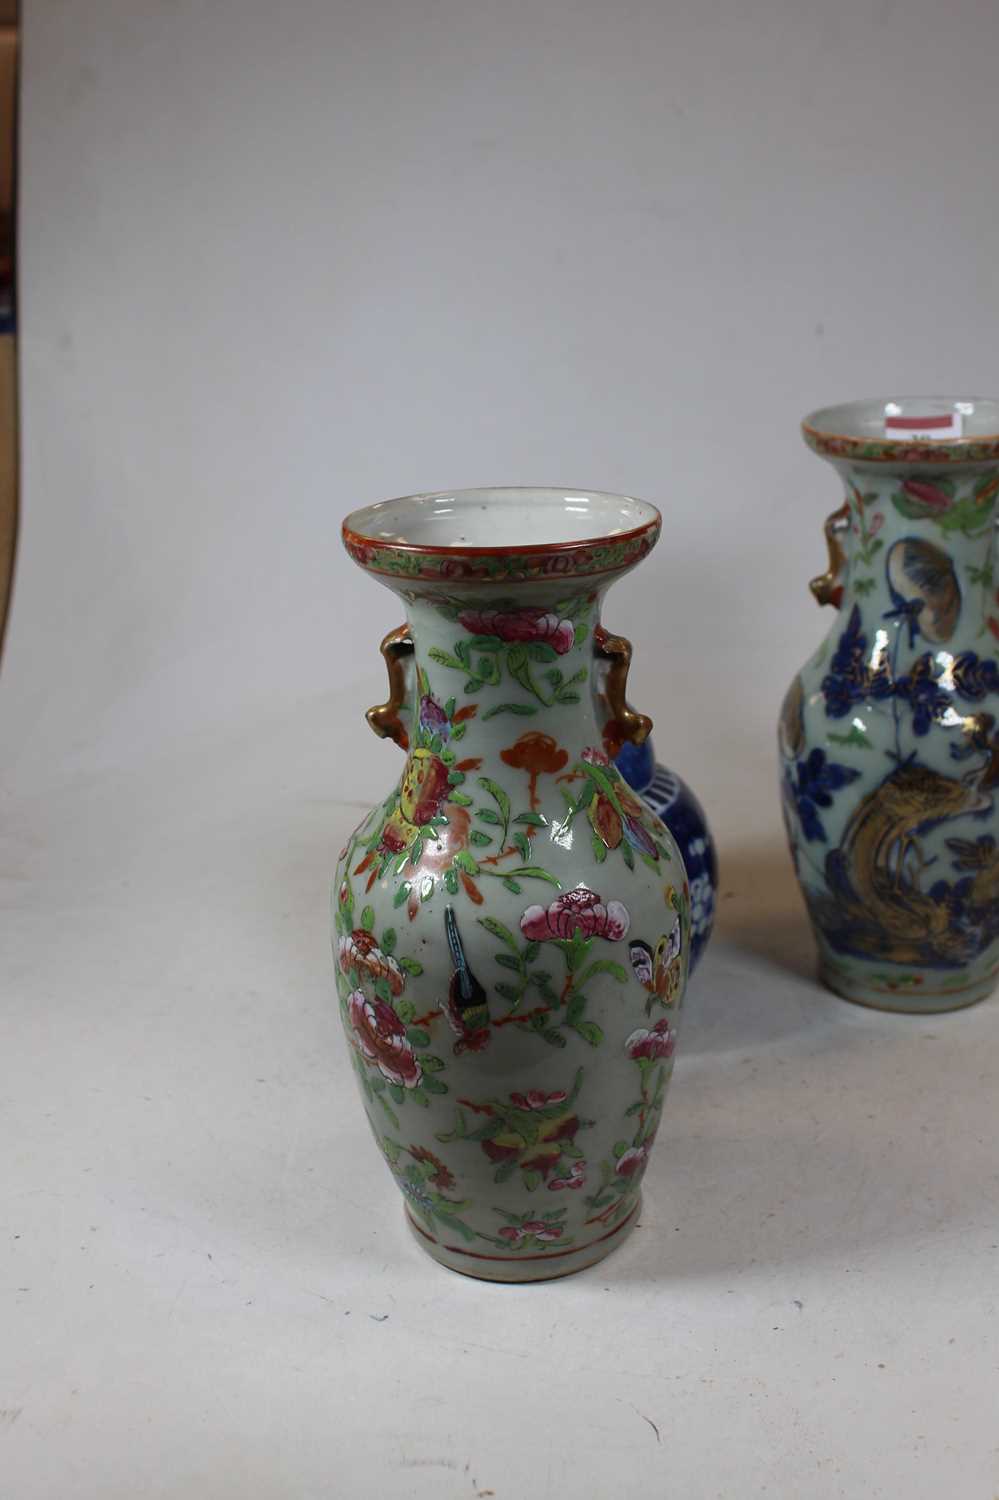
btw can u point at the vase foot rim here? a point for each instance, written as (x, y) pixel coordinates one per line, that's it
(518, 1270)
(921, 1003)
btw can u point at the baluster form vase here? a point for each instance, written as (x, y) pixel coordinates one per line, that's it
(512, 923)
(888, 737)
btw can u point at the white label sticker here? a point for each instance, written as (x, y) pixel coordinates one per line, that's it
(949, 425)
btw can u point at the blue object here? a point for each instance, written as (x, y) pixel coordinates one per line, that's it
(671, 799)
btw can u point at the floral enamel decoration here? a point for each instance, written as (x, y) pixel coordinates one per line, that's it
(485, 951)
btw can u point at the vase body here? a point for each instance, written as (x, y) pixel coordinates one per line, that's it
(512, 923)
(888, 741)
(672, 800)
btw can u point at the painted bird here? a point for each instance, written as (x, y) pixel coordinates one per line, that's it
(466, 1008)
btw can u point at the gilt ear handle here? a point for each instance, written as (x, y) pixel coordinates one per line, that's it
(623, 723)
(385, 718)
(828, 587)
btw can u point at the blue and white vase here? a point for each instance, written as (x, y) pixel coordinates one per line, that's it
(671, 799)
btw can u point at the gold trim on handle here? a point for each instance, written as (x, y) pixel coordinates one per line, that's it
(384, 718)
(623, 723)
(828, 587)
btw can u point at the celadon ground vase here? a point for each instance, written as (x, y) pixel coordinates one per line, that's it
(512, 923)
(888, 736)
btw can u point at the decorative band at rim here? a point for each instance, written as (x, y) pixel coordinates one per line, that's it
(515, 1260)
(902, 450)
(527, 563)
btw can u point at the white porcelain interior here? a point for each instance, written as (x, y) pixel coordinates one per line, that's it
(866, 419)
(501, 518)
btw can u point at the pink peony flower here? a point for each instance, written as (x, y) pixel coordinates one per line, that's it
(595, 757)
(876, 524)
(631, 1161)
(512, 1233)
(521, 625)
(381, 1039)
(659, 1042)
(574, 909)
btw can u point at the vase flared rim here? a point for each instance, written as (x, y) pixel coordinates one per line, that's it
(861, 430)
(503, 534)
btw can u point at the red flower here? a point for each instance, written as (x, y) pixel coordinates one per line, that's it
(574, 909)
(595, 757)
(359, 950)
(575, 1178)
(532, 623)
(631, 1161)
(659, 1042)
(442, 1176)
(381, 1038)
(512, 1233)
(927, 494)
(538, 1099)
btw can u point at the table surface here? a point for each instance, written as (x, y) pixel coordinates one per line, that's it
(207, 1287)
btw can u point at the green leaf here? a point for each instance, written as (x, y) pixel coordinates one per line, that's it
(541, 651)
(431, 1084)
(376, 1083)
(636, 1108)
(532, 1180)
(505, 1171)
(498, 930)
(498, 795)
(388, 940)
(531, 951)
(397, 1091)
(431, 1064)
(405, 1010)
(511, 885)
(629, 854)
(619, 1148)
(368, 918)
(599, 847)
(523, 844)
(449, 707)
(420, 1097)
(451, 882)
(426, 887)
(459, 799)
(478, 837)
(417, 1036)
(382, 989)
(485, 642)
(534, 872)
(855, 737)
(465, 862)
(436, 654)
(605, 966)
(508, 991)
(488, 816)
(575, 1009)
(532, 819)
(455, 778)
(411, 966)
(508, 961)
(590, 1032)
(552, 1037)
(523, 709)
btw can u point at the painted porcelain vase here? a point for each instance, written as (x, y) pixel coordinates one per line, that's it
(671, 799)
(512, 923)
(888, 738)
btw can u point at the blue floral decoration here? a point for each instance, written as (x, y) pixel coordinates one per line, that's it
(811, 785)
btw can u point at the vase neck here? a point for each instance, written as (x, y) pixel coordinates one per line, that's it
(917, 548)
(506, 678)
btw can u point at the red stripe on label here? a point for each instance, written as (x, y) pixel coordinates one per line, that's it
(921, 424)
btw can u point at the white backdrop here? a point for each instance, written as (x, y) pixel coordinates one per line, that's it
(280, 260)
